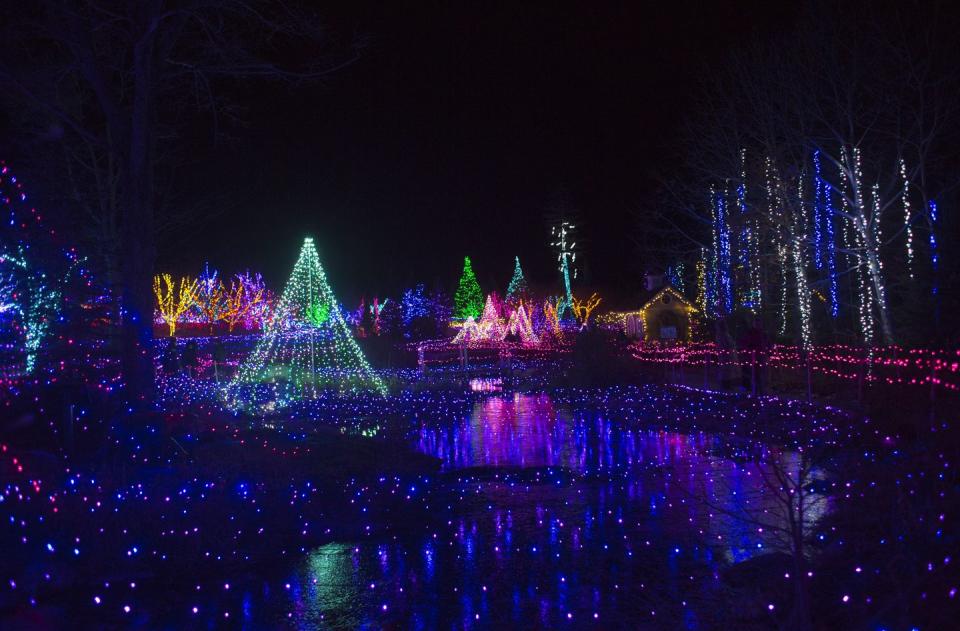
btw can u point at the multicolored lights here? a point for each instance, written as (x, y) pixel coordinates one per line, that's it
(503, 492)
(307, 350)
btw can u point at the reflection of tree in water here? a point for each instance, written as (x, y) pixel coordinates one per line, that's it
(646, 517)
(777, 497)
(522, 430)
(333, 584)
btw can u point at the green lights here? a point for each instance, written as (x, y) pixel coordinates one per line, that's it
(307, 349)
(468, 301)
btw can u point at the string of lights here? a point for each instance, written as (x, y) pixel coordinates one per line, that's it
(565, 246)
(890, 365)
(307, 349)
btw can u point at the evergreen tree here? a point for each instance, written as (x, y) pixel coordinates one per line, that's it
(517, 290)
(468, 301)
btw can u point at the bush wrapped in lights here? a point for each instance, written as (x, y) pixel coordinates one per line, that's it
(307, 350)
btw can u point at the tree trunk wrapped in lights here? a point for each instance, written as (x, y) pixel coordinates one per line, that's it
(173, 299)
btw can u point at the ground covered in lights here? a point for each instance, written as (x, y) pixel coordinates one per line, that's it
(477, 506)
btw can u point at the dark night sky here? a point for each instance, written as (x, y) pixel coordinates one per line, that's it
(452, 132)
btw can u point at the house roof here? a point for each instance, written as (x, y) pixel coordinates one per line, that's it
(654, 296)
(673, 292)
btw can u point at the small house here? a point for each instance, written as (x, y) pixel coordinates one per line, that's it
(665, 316)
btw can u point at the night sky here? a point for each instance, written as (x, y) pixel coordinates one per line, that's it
(451, 134)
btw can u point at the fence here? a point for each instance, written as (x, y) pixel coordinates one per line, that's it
(934, 369)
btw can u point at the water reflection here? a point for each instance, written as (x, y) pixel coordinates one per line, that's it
(630, 537)
(522, 430)
(330, 589)
(530, 431)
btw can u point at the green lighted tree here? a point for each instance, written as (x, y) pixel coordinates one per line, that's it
(517, 290)
(308, 348)
(468, 301)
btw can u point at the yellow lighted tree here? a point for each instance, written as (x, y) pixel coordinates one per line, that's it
(551, 311)
(239, 302)
(173, 300)
(583, 308)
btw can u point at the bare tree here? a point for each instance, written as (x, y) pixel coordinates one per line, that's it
(112, 84)
(783, 508)
(865, 98)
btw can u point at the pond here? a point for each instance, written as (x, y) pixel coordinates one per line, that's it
(579, 508)
(553, 516)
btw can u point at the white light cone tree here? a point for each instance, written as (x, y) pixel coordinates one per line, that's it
(306, 350)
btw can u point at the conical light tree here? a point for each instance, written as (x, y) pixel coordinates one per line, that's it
(517, 290)
(468, 301)
(308, 348)
(490, 325)
(519, 325)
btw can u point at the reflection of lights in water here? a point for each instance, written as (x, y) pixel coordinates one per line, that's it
(486, 384)
(578, 508)
(672, 469)
(333, 582)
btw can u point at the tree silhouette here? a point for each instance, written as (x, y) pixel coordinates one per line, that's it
(108, 89)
